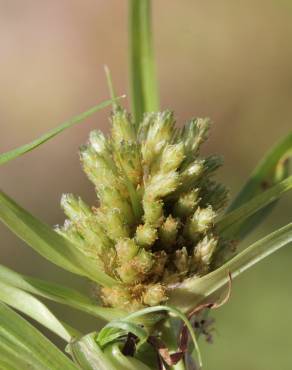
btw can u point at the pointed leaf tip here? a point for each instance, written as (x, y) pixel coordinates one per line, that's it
(12, 154)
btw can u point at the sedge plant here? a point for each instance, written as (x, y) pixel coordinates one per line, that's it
(158, 244)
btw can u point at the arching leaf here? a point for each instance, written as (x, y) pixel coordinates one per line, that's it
(52, 246)
(58, 293)
(25, 347)
(12, 154)
(194, 290)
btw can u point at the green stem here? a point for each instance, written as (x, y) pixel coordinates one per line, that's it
(179, 366)
(143, 82)
(170, 329)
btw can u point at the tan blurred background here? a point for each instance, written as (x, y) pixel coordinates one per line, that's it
(230, 60)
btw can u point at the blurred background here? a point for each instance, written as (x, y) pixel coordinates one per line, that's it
(229, 60)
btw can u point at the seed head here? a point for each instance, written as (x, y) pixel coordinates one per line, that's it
(154, 225)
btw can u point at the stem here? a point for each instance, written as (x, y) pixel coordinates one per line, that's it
(179, 366)
(143, 82)
(170, 329)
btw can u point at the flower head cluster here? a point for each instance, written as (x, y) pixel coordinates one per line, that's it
(154, 225)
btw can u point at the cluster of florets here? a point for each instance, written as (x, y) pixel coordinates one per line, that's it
(154, 225)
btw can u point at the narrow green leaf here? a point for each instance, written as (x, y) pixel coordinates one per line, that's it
(227, 226)
(31, 306)
(8, 156)
(7, 365)
(110, 85)
(26, 347)
(194, 290)
(144, 90)
(44, 240)
(272, 169)
(7, 359)
(58, 293)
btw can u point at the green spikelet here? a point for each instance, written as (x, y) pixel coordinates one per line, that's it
(200, 222)
(190, 176)
(194, 134)
(154, 295)
(156, 131)
(203, 253)
(153, 212)
(186, 203)
(84, 230)
(154, 225)
(128, 158)
(126, 249)
(99, 143)
(182, 261)
(170, 159)
(85, 222)
(123, 129)
(136, 269)
(146, 235)
(113, 223)
(168, 232)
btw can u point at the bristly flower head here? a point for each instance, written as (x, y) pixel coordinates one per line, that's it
(154, 225)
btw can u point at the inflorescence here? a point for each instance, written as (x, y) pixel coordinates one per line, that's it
(154, 224)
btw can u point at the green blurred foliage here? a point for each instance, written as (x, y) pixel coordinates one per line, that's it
(230, 60)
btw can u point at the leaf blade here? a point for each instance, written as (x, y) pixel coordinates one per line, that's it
(21, 343)
(227, 225)
(273, 168)
(194, 290)
(33, 308)
(58, 293)
(12, 154)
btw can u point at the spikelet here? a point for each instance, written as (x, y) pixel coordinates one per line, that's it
(146, 235)
(157, 206)
(168, 232)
